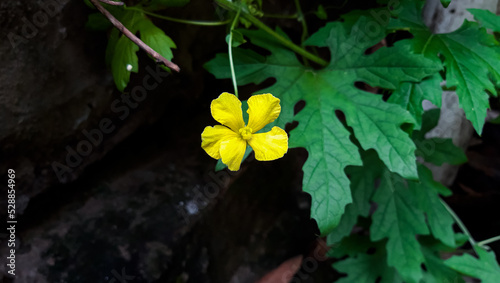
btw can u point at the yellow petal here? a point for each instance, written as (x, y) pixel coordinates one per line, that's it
(262, 110)
(212, 137)
(271, 145)
(232, 151)
(226, 109)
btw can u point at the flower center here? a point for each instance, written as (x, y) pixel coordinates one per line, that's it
(246, 133)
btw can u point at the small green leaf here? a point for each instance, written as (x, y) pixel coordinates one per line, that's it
(485, 267)
(430, 120)
(486, 18)
(436, 150)
(351, 246)
(110, 48)
(124, 61)
(238, 38)
(437, 271)
(399, 219)
(121, 52)
(365, 268)
(411, 95)
(426, 194)
(156, 38)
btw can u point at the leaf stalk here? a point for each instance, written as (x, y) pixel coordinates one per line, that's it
(182, 21)
(488, 241)
(459, 222)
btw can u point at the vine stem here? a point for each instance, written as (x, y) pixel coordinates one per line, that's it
(277, 16)
(466, 231)
(459, 222)
(302, 20)
(299, 50)
(182, 21)
(134, 38)
(490, 240)
(230, 51)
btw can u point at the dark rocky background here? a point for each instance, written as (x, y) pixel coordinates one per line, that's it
(145, 205)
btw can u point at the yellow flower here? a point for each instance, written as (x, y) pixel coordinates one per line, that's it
(229, 141)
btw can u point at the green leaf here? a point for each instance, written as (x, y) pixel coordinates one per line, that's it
(238, 38)
(398, 219)
(156, 38)
(362, 184)
(114, 35)
(485, 267)
(437, 271)
(124, 61)
(486, 18)
(470, 56)
(375, 123)
(426, 194)
(351, 246)
(436, 150)
(411, 95)
(365, 268)
(121, 51)
(430, 120)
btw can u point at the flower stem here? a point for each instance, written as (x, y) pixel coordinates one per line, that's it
(299, 50)
(490, 240)
(182, 21)
(230, 48)
(459, 222)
